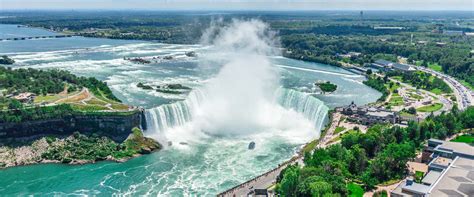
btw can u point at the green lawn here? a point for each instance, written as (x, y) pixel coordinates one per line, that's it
(396, 100)
(467, 138)
(468, 85)
(339, 129)
(415, 96)
(435, 67)
(398, 78)
(355, 190)
(437, 91)
(430, 108)
(406, 114)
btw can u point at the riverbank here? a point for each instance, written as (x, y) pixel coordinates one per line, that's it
(75, 149)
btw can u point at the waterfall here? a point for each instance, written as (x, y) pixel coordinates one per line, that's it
(312, 108)
(176, 114)
(161, 118)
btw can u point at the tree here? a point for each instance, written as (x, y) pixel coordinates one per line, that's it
(289, 183)
(359, 160)
(368, 72)
(14, 104)
(411, 110)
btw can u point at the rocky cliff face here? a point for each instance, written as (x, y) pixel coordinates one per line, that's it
(117, 127)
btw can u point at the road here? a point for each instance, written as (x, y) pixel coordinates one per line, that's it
(464, 95)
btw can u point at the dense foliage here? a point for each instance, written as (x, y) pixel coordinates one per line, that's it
(310, 36)
(378, 156)
(6, 60)
(455, 58)
(94, 147)
(379, 84)
(422, 80)
(49, 82)
(20, 114)
(327, 86)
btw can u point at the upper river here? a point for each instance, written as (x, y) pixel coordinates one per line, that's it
(206, 164)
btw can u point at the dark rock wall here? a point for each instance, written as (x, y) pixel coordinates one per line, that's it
(117, 127)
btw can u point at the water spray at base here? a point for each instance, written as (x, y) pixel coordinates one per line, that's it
(244, 98)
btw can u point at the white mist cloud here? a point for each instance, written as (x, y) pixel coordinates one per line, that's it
(241, 98)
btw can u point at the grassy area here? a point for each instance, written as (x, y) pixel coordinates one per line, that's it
(47, 98)
(339, 129)
(310, 146)
(406, 114)
(430, 108)
(415, 96)
(398, 78)
(390, 182)
(355, 190)
(467, 138)
(437, 91)
(468, 85)
(396, 100)
(89, 107)
(435, 67)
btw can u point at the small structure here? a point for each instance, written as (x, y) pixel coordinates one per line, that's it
(258, 192)
(349, 55)
(450, 171)
(388, 28)
(385, 65)
(370, 115)
(441, 44)
(26, 97)
(453, 33)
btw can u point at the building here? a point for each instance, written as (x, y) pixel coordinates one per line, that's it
(453, 33)
(350, 55)
(450, 172)
(385, 65)
(26, 97)
(389, 28)
(369, 115)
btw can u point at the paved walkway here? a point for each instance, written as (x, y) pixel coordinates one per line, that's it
(263, 181)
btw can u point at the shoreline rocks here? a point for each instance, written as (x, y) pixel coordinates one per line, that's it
(75, 150)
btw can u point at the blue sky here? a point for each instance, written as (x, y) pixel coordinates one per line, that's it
(242, 4)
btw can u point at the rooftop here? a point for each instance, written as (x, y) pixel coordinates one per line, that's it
(431, 177)
(457, 180)
(383, 62)
(457, 147)
(380, 113)
(442, 161)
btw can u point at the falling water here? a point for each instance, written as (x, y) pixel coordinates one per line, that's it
(164, 117)
(312, 108)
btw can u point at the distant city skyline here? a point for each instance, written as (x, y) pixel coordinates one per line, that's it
(467, 5)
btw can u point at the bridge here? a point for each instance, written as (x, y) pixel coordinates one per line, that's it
(35, 37)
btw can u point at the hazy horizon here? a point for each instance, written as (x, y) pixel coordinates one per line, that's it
(241, 5)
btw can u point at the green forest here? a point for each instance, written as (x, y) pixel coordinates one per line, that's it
(376, 157)
(317, 37)
(42, 82)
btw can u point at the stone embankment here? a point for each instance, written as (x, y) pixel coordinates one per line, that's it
(113, 125)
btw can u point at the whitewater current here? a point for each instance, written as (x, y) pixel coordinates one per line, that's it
(164, 117)
(199, 162)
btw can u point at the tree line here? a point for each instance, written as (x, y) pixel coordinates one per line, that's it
(43, 82)
(378, 156)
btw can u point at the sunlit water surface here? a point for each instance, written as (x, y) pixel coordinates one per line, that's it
(207, 165)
